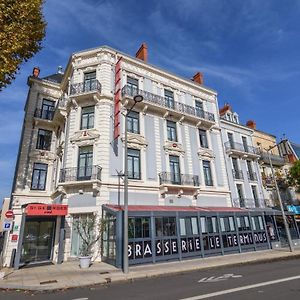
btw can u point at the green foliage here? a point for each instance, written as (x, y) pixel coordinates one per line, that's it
(90, 230)
(294, 175)
(22, 29)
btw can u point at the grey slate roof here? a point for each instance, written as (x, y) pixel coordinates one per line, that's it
(56, 78)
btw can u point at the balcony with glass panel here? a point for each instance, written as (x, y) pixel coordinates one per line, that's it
(179, 183)
(241, 150)
(166, 105)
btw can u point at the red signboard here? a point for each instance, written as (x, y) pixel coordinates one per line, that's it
(9, 214)
(14, 238)
(46, 210)
(117, 99)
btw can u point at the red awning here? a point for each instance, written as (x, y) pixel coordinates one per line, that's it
(173, 208)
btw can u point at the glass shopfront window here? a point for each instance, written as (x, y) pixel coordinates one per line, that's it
(139, 246)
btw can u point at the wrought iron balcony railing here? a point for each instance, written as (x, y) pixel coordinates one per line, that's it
(85, 87)
(248, 202)
(241, 147)
(45, 114)
(80, 174)
(163, 102)
(180, 179)
(252, 176)
(275, 159)
(237, 174)
(239, 202)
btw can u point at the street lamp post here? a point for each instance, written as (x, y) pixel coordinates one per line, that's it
(286, 227)
(136, 99)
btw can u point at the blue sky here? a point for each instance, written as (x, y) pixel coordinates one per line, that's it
(247, 50)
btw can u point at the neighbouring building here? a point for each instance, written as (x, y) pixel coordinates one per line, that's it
(241, 161)
(291, 152)
(71, 165)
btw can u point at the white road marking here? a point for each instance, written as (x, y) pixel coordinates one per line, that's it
(81, 299)
(217, 279)
(242, 288)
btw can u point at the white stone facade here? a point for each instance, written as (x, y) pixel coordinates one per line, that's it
(87, 196)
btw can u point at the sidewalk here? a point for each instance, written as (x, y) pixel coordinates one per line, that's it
(68, 274)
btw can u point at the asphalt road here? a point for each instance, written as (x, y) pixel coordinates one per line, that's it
(276, 280)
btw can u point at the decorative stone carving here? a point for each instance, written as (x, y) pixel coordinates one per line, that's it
(42, 155)
(60, 148)
(85, 137)
(135, 141)
(174, 148)
(205, 154)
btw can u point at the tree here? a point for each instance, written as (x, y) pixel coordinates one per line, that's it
(294, 175)
(22, 29)
(90, 230)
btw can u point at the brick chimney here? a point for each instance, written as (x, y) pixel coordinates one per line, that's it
(36, 72)
(224, 109)
(142, 53)
(251, 124)
(198, 77)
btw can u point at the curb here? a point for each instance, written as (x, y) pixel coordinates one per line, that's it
(140, 276)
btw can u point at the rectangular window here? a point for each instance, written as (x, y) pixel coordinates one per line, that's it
(203, 138)
(175, 169)
(255, 197)
(169, 98)
(85, 163)
(133, 122)
(245, 144)
(138, 228)
(44, 139)
(199, 108)
(253, 223)
(207, 173)
(212, 224)
(133, 86)
(39, 176)
(89, 81)
(261, 223)
(203, 225)
(171, 131)
(240, 192)
(194, 225)
(231, 224)
(182, 226)
(48, 108)
(165, 226)
(134, 164)
(230, 139)
(87, 117)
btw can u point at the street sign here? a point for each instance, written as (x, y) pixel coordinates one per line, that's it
(9, 214)
(7, 225)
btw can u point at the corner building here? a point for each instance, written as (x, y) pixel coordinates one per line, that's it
(69, 161)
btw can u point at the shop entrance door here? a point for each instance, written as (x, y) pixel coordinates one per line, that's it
(38, 241)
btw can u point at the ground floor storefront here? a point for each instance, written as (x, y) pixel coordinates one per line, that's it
(40, 232)
(162, 233)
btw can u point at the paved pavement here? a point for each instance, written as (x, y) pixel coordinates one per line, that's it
(69, 275)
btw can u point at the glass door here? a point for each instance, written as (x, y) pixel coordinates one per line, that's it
(85, 163)
(38, 241)
(89, 81)
(175, 169)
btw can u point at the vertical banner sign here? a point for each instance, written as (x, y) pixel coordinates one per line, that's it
(117, 105)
